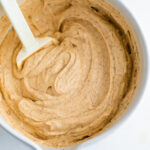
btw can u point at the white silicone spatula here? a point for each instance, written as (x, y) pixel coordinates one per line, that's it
(30, 43)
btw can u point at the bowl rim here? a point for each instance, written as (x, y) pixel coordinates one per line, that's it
(144, 71)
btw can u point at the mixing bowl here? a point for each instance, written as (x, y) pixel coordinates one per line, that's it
(137, 96)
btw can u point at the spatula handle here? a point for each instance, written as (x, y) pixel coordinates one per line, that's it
(19, 23)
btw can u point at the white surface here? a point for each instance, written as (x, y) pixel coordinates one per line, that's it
(134, 133)
(8, 142)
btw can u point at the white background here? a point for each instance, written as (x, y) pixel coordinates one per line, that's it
(134, 133)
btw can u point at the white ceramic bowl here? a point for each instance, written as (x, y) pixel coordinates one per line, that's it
(142, 48)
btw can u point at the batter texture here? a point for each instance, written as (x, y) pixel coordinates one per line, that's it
(72, 90)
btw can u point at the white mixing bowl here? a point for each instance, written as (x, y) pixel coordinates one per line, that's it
(142, 48)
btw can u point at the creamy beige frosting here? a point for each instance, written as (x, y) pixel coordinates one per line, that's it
(73, 90)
